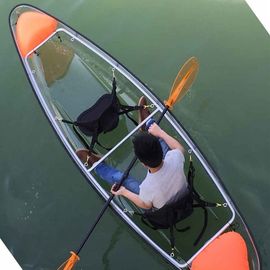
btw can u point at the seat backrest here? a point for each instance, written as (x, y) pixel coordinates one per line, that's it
(101, 117)
(171, 213)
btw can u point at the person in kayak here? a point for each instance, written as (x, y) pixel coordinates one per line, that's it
(163, 157)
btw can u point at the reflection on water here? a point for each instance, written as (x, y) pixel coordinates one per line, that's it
(114, 239)
(55, 58)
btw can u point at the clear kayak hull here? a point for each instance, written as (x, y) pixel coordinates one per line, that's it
(68, 73)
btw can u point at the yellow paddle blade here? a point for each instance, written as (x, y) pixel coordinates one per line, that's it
(183, 81)
(69, 264)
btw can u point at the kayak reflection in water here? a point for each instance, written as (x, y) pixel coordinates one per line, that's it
(161, 154)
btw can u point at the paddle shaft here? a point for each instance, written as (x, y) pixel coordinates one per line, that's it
(107, 204)
(162, 114)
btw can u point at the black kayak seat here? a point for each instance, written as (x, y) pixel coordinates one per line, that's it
(101, 117)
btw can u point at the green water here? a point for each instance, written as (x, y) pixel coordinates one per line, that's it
(46, 206)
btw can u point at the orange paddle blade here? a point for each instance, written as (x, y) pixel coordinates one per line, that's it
(183, 81)
(70, 263)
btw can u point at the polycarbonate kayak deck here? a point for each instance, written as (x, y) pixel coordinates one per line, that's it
(68, 74)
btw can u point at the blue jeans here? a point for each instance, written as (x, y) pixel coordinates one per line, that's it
(111, 175)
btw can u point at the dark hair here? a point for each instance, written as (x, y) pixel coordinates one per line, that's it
(148, 150)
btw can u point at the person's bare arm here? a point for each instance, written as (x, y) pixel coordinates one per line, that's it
(155, 130)
(131, 196)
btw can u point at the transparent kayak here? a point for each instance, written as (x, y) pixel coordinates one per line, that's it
(68, 73)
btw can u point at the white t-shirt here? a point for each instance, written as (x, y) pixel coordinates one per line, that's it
(162, 186)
